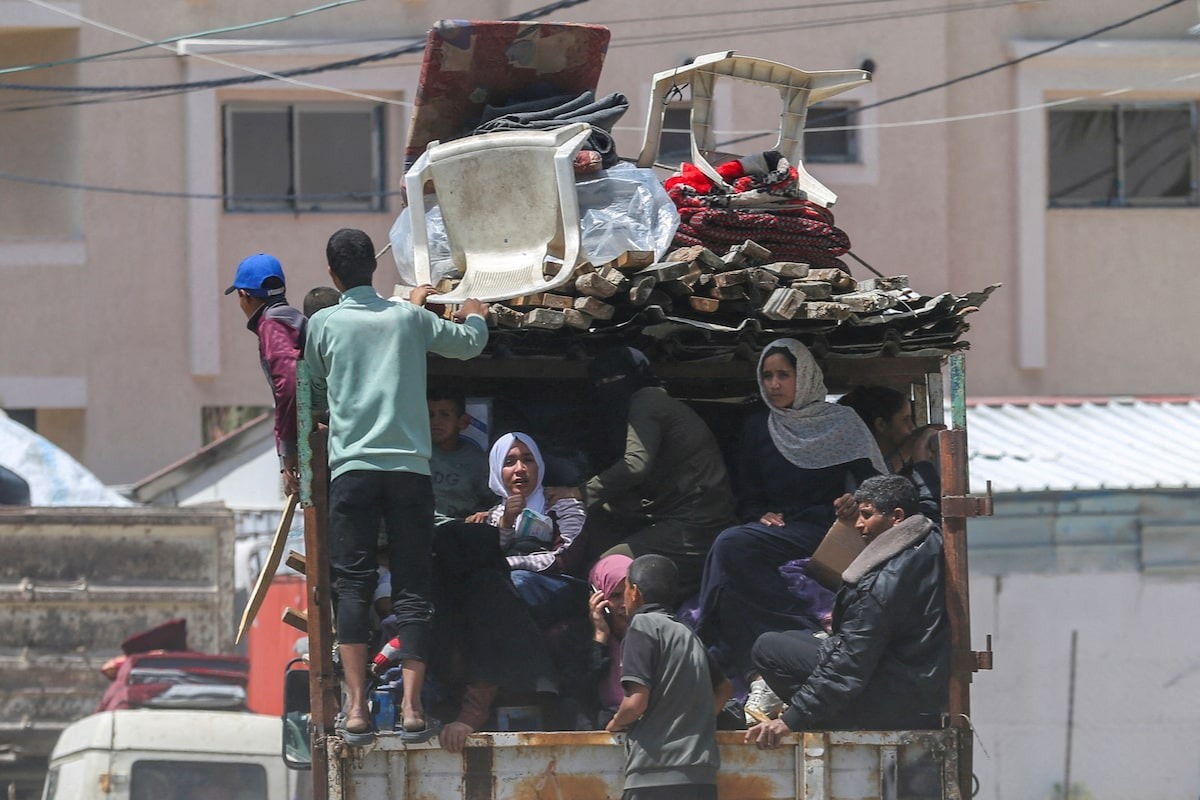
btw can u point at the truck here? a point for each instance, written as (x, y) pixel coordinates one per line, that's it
(161, 754)
(74, 583)
(709, 362)
(582, 765)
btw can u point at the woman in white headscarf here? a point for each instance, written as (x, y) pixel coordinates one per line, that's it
(798, 462)
(534, 535)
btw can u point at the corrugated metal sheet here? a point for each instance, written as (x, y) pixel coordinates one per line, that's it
(1063, 445)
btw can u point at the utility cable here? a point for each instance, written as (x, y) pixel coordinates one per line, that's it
(415, 47)
(926, 11)
(160, 42)
(986, 70)
(741, 12)
(215, 60)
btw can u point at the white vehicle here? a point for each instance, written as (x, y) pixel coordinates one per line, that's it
(158, 754)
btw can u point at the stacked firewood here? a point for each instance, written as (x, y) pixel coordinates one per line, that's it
(698, 283)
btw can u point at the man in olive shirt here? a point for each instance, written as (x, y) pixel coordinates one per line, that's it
(667, 491)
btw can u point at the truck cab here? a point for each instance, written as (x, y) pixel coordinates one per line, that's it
(160, 754)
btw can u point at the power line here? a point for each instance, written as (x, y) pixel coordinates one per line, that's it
(256, 198)
(743, 12)
(1021, 59)
(162, 42)
(687, 36)
(753, 135)
(213, 59)
(415, 47)
(986, 70)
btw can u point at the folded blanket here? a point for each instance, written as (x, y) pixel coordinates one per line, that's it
(560, 110)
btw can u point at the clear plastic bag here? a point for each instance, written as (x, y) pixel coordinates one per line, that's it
(623, 208)
(440, 263)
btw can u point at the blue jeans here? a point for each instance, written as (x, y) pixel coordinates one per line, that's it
(551, 598)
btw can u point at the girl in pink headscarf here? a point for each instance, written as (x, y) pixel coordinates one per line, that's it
(609, 623)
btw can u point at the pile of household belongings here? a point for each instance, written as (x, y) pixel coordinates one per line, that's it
(725, 266)
(754, 263)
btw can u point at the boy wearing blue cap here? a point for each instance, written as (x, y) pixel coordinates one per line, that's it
(280, 329)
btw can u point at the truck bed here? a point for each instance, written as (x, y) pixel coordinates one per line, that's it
(825, 765)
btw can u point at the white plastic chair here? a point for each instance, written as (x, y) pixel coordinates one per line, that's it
(797, 89)
(508, 201)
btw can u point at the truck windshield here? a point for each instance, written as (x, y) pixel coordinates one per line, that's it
(197, 780)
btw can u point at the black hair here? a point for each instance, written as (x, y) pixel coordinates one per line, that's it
(320, 297)
(875, 402)
(887, 492)
(351, 256)
(455, 396)
(656, 577)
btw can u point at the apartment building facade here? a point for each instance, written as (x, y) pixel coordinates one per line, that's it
(1069, 176)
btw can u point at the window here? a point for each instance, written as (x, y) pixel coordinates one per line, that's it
(1123, 155)
(304, 157)
(830, 146)
(197, 780)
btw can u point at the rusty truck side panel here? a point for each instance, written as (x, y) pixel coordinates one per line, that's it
(74, 583)
(589, 766)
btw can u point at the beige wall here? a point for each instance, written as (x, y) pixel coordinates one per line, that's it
(113, 302)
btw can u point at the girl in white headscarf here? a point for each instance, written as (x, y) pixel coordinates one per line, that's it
(798, 462)
(534, 536)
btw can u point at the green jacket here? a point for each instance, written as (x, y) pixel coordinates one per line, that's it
(672, 469)
(366, 362)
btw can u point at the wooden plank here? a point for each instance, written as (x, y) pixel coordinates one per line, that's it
(545, 319)
(274, 556)
(640, 289)
(726, 292)
(541, 300)
(632, 260)
(823, 311)
(814, 290)
(756, 255)
(764, 280)
(505, 316)
(613, 276)
(296, 561)
(867, 302)
(594, 308)
(666, 270)
(787, 269)
(840, 280)
(593, 285)
(698, 254)
(297, 619)
(783, 304)
(704, 305)
(734, 259)
(883, 284)
(731, 278)
(574, 318)
(559, 301)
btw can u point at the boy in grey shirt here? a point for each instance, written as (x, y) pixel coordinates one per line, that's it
(672, 751)
(459, 469)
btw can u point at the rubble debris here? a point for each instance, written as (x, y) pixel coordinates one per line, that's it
(715, 301)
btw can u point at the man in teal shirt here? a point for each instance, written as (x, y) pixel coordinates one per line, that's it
(366, 361)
